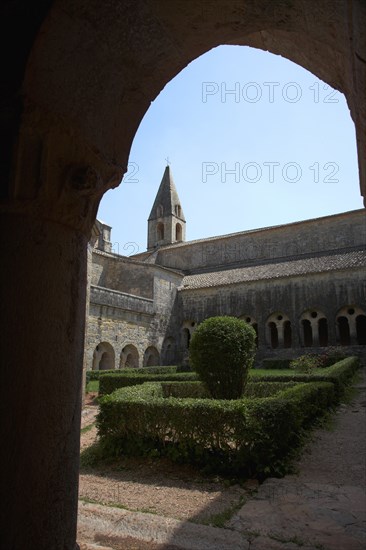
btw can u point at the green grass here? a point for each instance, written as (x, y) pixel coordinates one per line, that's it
(87, 428)
(220, 519)
(92, 386)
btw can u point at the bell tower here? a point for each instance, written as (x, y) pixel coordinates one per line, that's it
(166, 223)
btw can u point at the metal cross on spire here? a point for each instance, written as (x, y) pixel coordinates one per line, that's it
(167, 161)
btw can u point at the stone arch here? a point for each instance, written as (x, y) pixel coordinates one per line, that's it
(178, 232)
(103, 357)
(129, 357)
(151, 357)
(294, 32)
(279, 330)
(350, 325)
(94, 130)
(314, 328)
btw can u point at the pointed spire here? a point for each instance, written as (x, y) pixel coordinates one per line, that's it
(167, 199)
(166, 224)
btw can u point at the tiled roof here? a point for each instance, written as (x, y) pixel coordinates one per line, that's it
(292, 268)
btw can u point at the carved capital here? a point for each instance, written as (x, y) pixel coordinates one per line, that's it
(58, 175)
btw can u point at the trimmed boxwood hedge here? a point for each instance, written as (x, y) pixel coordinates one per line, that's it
(339, 374)
(112, 380)
(95, 374)
(244, 436)
(199, 390)
(248, 436)
(222, 352)
(108, 383)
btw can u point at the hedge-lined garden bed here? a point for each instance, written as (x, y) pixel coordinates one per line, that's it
(198, 390)
(339, 374)
(248, 436)
(108, 383)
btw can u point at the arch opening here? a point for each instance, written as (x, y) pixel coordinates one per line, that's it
(129, 357)
(103, 357)
(151, 357)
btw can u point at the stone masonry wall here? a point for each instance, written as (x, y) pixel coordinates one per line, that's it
(325, 292)
(341, 231)
(129, 318)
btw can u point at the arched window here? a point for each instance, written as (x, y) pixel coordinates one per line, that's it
(178, 210)
(314, 328)
(178, 232)
(351, 326)
(160, 211)
(160, 232)
(279, 331)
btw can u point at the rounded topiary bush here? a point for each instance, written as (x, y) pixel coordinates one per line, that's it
(222, 351)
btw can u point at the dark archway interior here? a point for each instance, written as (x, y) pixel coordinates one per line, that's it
(323, 332)
(307, 333)
(344, 331)
(361, 329)
(274, 335)
(287, 334)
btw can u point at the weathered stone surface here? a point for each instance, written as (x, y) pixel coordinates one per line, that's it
(142, 301)
(79, 78)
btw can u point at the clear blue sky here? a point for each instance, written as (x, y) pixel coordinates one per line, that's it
(280, 148)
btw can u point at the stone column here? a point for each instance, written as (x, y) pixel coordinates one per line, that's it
(315, 331)
(280, 333)
(45, 225)
(42, 315)
(352, 329)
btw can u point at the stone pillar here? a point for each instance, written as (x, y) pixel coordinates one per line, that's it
(332, 329)
(296, 335)
(280, 332)
(352, 330)
(45, 225)
(42, 316)
(315, 331)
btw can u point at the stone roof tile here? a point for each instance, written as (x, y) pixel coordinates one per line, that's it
(292, 268)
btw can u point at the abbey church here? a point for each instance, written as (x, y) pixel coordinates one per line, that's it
(301, 285)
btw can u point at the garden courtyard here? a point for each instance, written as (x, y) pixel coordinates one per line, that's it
(138, 502)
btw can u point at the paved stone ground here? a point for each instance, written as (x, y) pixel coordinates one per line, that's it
(324, 506)
(321, 508)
